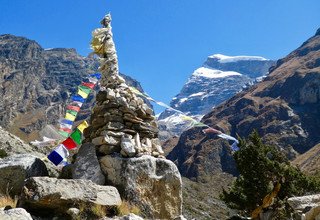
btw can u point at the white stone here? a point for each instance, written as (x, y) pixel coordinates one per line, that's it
(15, 214)
(137, 143)
(146, 145)
(127, 145)
(110, 94)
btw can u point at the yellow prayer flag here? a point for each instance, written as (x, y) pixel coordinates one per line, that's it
(82, 94)
(70, 117)
(82, 126)
(186, 118)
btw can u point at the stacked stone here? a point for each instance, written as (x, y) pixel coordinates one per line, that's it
(120, 121)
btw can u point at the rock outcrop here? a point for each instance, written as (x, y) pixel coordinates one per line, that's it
(43, 195)
(15, 214)
(153, 184)
(15, 169)
(306, 207)
(87, 166)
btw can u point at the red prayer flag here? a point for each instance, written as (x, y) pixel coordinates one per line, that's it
(69, 143)
(211, 131)
(74, 108)
(66, 130)
(90, 85)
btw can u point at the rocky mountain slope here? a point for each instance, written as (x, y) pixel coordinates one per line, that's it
(219, 78)
(309, 161)
(35, 84)
(284, 108)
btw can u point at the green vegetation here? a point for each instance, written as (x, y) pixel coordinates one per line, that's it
(3, 153)
(261, 168)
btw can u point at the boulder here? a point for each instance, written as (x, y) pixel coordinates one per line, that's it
(302, 202)
(87, 165)
(15, 214)
(152, 184)
(127, 146)
(16, 168)
(308, 207)
(43, 195)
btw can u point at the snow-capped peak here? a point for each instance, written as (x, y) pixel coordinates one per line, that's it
(228, 59)
(213, 73)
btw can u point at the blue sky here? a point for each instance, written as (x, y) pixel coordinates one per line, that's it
(161, 42)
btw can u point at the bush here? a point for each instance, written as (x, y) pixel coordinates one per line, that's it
(3, 153)
(261, 167)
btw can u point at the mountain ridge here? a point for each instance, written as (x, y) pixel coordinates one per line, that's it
(36, 84)
(284, 108)
(210, 85)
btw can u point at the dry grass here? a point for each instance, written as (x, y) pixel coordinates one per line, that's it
(98, 210)
(126, 208)
(6, 200)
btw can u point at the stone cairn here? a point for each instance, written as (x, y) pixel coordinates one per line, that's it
(120, 121)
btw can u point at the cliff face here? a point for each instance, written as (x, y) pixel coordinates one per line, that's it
(36, 83)
(284, 108)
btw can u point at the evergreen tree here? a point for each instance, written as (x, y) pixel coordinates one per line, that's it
(261, 167)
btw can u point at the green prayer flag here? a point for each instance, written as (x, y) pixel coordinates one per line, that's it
(84, 89)
(64, 134)
(76, 136)
(72, 112)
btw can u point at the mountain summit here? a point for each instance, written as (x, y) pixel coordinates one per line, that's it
(219, 78)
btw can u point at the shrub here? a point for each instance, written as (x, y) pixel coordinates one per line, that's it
(261, 167)
(3, 153)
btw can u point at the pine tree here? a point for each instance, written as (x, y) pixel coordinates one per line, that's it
(261, 167)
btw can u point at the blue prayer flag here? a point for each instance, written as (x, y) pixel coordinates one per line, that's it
(55, 158)
(97, 75)
(65, 121)
(77, 98)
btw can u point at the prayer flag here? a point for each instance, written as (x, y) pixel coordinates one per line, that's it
(64, 134)
(65, 130)
(228, 137)
(58, 154)
(65, 121)
(62, 125)
(235, 147)
(76, 136)
(82, 94)
(69, 143)
(79, 104)
(96, 75)
(211, 131)
(93, 80)
(70, 117)
(85, 89)
(72, 112)
(77, 98)
(74, 108)
(89, 85)
(82, 126)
